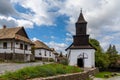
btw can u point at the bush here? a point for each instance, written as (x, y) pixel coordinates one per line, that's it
(39, 71)
(51, 60)
(64, 61)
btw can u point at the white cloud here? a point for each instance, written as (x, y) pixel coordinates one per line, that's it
(52, 37)
(44, 11)
(103, 16)
(11, 22)
(58, 46)
(25, 23)
(34, 39)
(69, 38)
(7, 9)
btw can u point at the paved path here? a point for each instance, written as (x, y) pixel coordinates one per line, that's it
(15, 66)
(113, 78)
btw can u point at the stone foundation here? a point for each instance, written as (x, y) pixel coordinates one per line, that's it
(75, 76)
(14, 57)
(43, 59)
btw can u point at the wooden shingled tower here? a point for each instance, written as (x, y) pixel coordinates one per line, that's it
(81, 52)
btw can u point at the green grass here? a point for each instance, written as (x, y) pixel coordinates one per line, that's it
(102, 74)
(39, 71)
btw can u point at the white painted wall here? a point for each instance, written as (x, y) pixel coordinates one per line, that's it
(17, 47)
(74, 55)
(49, 54)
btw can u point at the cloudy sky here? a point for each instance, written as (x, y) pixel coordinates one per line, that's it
(53, 21)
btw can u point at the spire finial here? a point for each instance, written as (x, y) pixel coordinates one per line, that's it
(80, 10)
(81, 18)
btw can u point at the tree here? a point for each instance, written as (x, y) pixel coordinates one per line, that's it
(61, 55)
(114, 50)
(113, 56)
(109, 49)
(101, 59)
(96, 44)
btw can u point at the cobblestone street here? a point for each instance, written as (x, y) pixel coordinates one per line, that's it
(15, 66)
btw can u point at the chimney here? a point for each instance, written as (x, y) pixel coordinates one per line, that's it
(4, 26)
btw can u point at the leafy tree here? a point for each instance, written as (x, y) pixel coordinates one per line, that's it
(96, 45)
(105, 60)
(101, 59)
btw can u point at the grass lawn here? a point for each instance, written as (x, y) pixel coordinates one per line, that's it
(106, 74)
(39, 71)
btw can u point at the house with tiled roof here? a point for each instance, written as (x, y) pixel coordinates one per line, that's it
(15, 44)
(42, 51)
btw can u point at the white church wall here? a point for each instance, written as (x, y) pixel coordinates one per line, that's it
(74, 55)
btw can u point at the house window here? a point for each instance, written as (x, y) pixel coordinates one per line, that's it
(45, 52)
(5, 45)
(21, 46)
(26, 47)
(50, 53)
(11, 45)
(16, 43)
(39, 53)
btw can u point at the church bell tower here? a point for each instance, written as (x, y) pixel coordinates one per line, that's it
(81, 52)
(81, 37)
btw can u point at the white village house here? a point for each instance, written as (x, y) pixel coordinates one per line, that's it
(43, 52)
(15, 44)
(81, 53)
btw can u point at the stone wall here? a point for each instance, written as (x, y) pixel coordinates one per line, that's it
(14, 57)
(75, 76)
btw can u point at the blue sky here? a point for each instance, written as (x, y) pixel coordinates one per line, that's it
(53, 21)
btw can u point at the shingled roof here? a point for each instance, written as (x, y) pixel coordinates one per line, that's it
(13, 33)
(41, 45)
(81, 18)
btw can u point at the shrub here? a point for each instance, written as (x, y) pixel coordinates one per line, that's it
(51, 60)
(64, 61)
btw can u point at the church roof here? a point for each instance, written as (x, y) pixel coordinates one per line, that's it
(89, 46)
(41, 45)
(81, 18)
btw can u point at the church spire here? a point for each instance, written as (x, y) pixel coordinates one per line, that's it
(81, 18)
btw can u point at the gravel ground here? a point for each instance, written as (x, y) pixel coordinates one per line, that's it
(113, 78)
(15, 66)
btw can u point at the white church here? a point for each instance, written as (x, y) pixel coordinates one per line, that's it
(81, 53)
